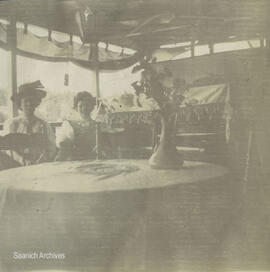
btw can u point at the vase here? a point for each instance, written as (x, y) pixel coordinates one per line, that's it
(165, 155)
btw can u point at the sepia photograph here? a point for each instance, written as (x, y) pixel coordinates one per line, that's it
(134, 135)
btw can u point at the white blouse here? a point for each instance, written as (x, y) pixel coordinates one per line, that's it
(22, 125)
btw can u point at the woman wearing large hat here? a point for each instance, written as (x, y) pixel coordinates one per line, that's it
(27, 99)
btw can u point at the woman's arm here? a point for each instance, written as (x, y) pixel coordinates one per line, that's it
(65, 141)
(10, 126)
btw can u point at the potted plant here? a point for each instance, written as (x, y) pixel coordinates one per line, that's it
(158, 83)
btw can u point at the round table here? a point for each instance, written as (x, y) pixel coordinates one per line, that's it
(117, 215)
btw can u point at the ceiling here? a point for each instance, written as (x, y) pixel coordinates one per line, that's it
(147, 24)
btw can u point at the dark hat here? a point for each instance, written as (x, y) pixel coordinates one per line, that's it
(83, 96)
(33, 89)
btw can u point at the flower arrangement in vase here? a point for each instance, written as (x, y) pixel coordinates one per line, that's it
(159, 84)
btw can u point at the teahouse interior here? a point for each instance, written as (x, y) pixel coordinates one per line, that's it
(220, 50)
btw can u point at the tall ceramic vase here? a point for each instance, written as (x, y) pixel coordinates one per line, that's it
(165, 155)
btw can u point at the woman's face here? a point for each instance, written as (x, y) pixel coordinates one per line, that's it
(84, 108)
(28, 105)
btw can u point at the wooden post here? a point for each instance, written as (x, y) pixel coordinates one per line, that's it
(192, 48)
(95, 57)
(12, 43)
(211, 48)
(261, 42)
(267, 46)
(96, 65)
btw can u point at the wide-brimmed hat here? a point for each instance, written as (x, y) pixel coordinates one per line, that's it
(32, 89)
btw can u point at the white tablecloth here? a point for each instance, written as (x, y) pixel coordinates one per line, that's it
(113, 215)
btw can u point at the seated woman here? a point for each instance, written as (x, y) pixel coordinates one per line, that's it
(77, 138)
(28, 99)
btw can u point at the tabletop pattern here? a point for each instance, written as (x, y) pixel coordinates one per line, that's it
(99, 176)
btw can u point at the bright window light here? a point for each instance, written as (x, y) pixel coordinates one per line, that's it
(77, 39)
(183, 55)
(254, 43)
(20, 25)
(116, 48)
(181, 44)
(201, 50)
(238, 45)
(60, 37)
(38, 31)
(4, 21)
(174, 45)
